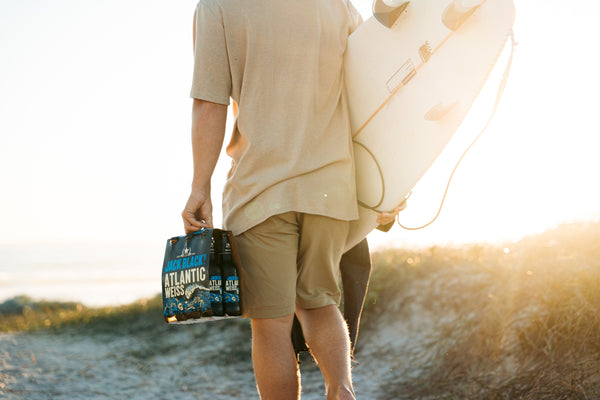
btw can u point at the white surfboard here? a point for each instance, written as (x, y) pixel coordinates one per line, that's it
(412, 73)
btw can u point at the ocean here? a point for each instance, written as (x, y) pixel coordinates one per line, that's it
(94, 274)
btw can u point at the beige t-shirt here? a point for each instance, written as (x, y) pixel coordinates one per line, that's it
(281, 62)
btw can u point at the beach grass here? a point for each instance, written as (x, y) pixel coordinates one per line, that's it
(524, 318)
(22, 314)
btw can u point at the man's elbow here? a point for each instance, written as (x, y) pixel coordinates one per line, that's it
(207, 110)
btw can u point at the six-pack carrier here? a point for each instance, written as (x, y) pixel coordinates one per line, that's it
(199, 277)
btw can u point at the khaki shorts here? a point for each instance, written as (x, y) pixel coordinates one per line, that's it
(290, 260)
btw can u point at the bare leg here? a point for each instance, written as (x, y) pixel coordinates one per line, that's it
(326, 334)
(274, 360)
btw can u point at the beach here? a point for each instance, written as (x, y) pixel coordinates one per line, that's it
(149, 359)
(516, 321)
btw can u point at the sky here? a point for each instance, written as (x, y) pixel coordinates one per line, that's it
(95, 128)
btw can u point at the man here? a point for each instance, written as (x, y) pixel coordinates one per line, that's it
(290, 192)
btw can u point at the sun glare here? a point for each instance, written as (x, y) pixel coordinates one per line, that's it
(534, 167)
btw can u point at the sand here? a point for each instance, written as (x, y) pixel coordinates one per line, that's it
(202, 361)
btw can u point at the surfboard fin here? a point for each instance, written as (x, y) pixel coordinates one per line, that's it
(439, 111)
(455, 15)
(388, 15)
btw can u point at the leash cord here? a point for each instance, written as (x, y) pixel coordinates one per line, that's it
(499, 94)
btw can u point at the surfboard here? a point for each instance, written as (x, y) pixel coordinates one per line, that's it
(412, 72)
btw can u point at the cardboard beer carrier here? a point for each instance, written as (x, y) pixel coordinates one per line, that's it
(199, 277)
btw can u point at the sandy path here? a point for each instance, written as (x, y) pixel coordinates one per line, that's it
(51, 366)
(202, 361)
(72, 366)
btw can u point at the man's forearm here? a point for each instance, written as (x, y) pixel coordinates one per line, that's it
(208, 131)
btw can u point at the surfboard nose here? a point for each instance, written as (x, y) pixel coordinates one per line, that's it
(387, 12)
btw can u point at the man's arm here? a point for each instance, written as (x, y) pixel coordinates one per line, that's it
(208, 131)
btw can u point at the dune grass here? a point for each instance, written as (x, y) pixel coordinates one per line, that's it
(526, 316)
(22, 314)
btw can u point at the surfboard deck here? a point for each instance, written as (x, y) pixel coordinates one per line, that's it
(409, 87)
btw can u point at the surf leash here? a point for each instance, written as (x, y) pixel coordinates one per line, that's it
(499, 94)
(380, 171)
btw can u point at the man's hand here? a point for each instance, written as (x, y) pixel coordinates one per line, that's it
(386, 218)
(197, 213)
